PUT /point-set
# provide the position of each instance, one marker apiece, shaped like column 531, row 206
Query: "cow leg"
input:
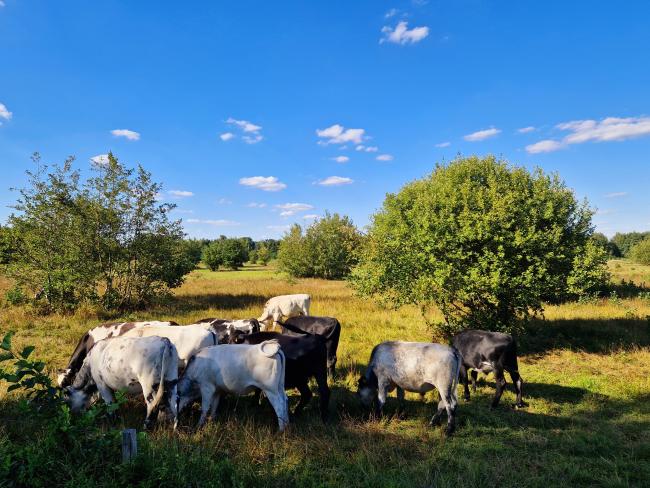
column 400, row 400
column 149, row 393
column 305, row 397
column 215, row 404
column 276, row 319
column 207, row 396
column 500, row 384
column 382, row 392
column 331, row 364
column 280, row 404
column 518, row 382
column 323, row 394
column 462, row 373
column 474, row 378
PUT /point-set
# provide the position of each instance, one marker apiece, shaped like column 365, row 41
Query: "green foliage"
column 589, row 276
column 263, row 255
column 252, row 256
column 481, row 240
column 601, row 240
column 326, row 250
column 640, row 252
column 625, row 241
column 106, row 240
column 7, row 248
column 227, row 252
column 193, row 250
column 15, row 296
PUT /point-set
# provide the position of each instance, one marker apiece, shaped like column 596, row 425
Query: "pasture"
column 586, row 368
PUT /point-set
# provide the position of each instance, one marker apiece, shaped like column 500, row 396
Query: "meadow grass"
column 586, row 368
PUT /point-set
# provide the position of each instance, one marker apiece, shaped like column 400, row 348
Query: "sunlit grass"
column 586, row 368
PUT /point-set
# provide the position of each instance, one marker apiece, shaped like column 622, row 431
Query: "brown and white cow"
column 90, row 338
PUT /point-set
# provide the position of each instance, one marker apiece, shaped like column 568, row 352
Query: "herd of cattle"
column 172, row 365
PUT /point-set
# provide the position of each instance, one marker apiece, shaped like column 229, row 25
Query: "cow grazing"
column 327, row 327
column 416, row 367
column 188, row 339
column 306, row 358
column 285, row 306
column 88, row 340
column 238, row 369
column 223, row 327
column 489, row 352
column 147, row 366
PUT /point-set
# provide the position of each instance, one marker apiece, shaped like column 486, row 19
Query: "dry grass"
column 586, row 367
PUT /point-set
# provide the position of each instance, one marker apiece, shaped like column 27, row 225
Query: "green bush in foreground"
column 483, row 241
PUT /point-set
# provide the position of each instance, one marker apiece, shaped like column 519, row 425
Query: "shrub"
column 326, row 250
column 625, row 241
column 229, row 253
column 640, row 253
column 589, row 276
column 106, row 240
column 263, row 255
column 481, row 240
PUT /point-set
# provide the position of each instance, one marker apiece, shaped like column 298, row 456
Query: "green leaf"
column 13, row 387
column 6, row 355
column 6, row 341
column 27, row 351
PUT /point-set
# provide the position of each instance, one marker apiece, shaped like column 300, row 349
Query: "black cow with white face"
column 489, row 352
column 306, row 357
column 327, row 327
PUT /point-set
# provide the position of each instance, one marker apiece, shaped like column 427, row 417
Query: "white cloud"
column 547, row 145
column 266, row 183
column 402, row 35
column 310, row 216
column 217, row 222
column 526, row 130
column 335, row 181
column 226, row 136
column 181, row 193
column 224, row 201
column 384, row 157
column 443, row 144
column 341, row 159
column 605, row 130
column 100, row 159
column 337, row 134
column 129, row 134
column 482, row 134
column 251, row 131
column 256, row 205
column 2, row 4
column 361, row 147
column 391, row 13
column 293, row 208
column 616, row 194
column 4, row 112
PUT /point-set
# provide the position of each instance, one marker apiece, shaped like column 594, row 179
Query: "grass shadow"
column 224, row 301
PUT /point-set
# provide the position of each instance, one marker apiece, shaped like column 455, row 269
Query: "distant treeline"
column 232, row 252
column 621, row 245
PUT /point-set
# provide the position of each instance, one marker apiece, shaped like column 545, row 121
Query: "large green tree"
column 107, row 239
column 483, row 241
column 227, row 252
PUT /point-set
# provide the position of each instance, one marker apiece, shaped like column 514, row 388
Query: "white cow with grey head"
column 285, row 306
column 146, row 366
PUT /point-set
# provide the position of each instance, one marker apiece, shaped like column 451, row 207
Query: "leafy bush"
column 263, row 255
column 640, row 253
column 625, row 241
column 106, row 240
column 483, row 241
column 226, row 252
column 589, row 275
column 326, row 250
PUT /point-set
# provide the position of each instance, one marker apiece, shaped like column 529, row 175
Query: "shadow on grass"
column 225, row 301
column 589, row 335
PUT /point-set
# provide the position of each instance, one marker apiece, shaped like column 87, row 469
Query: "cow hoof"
column 466, row 397
column 519, row 405
column 449, row 431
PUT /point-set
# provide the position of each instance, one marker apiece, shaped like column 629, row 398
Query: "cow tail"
column 161, row 385
column 282, row 370
column 454, row 386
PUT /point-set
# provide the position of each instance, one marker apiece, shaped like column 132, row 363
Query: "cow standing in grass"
column 489, row 352
column 284, row 306
column 412, row 366
column 90, row 338
column 328, row 328
column 147, row 366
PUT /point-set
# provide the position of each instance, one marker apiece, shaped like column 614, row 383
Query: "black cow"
column 489, row 352
column 306, row 357
column 327, row 327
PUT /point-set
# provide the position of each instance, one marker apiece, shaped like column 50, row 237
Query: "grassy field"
column 586, row 368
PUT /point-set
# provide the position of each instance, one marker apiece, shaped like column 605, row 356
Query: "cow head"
column 366, row 392
column 77, row 399
column 64, row 378
column 235, row 336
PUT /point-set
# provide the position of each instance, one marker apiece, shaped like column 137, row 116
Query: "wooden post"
column 129, row 445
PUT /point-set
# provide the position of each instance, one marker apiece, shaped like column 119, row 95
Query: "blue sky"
column 258, row 114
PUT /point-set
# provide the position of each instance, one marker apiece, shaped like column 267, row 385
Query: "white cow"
column 188, row 339
column 237, row 369
column 90, row 338
column 223, row 327
column 147, row 366
column 285, row 306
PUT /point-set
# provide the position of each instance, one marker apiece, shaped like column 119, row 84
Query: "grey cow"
column 413, row 366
